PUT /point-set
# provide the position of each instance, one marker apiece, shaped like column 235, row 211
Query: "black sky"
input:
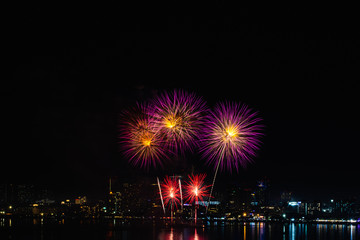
column 72, row 73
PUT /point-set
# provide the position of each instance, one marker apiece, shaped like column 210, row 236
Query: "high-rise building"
column 344, row 207
column 285, row 198
column 262, row 192
column 303, row 208
column 20, row 194
column 3, row 194
column 25, row 194
column 134, row 199
column 234, row 199
column 314, row 208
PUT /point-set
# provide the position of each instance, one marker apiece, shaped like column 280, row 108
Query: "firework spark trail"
column 231, row 137
column 212, row 186
column 161, row 197
column 181, row 195
column 140, row 142
column 178, row 118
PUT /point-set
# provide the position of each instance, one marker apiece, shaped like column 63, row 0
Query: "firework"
column 170, row 189
column 181, row 195
column 140, row 142
column 231, row 136
column 161, row 197
column 196, row 190
column 178, row 118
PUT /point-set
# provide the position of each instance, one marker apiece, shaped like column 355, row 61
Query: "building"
column 285, row 198
column 314, row 208
column 7, row 194
column 292, row 210
column 17, row 194
column 3, row 194
column 80, row 200
column 345, row 207
column 25, row 194
column 130, row 199
column 262, row 192
column 233, row 199
column 303, row 208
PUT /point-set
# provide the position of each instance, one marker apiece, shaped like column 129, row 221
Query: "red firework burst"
column 195, row 189
column 171, row 191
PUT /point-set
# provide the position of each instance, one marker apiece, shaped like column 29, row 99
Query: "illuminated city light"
column 294, row 203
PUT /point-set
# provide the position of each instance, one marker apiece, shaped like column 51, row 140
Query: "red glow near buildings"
column 195, row 188
column 171, row 191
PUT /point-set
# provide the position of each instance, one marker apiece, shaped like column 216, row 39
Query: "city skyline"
column 61, row 106
column 141, row 199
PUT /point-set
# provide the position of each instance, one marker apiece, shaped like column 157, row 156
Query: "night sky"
column 73, row 72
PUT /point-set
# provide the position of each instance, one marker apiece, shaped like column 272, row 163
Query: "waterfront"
column 110, row 229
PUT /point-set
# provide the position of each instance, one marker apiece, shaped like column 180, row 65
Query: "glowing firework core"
column 171, row 122
column 171, row 192
column 231, row 132
column 147, row 142
column 196, row 191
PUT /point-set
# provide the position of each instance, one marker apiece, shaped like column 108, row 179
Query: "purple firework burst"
column 231, row 136
column 178, row 116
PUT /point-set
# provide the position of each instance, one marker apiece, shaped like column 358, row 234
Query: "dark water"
column 31, row 229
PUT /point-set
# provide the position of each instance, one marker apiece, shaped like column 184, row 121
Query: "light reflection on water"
column 116, row 229
column 264, row 231
column 244, row 231
column 188, row 234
